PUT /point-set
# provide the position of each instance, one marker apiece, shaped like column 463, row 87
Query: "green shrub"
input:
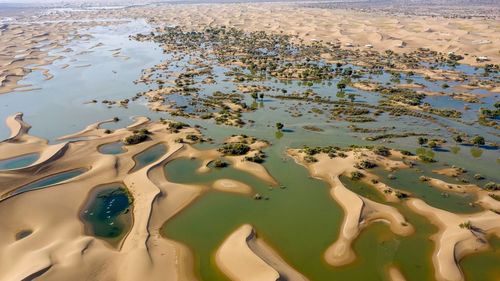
column 234, row 149
column 220, row 164
column 382, row 150
column 356, row 175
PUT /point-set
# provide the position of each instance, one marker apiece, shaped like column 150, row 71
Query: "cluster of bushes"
column 137, row 137
column 220, row 163
column 391, row 135
column 257, row 158
column 491, row 186
column 319, row 149
column 466, row 225
column 356, row 175
column 310, row 159
column 365, row 164
column 405, row 96
column 401, row 195
column 382, row 151
column 192, row 137
column 176, row 126
column 446, row 112
column 426, row 158
column 234, row 149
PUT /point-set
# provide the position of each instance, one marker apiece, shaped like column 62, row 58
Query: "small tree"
column 421, row 141
column 432, row 144
column 341, row 86
column 261, row 96
column 279, row 126
column 255, row 95
column 457, row 139
column 351, row 97
column 478, row 140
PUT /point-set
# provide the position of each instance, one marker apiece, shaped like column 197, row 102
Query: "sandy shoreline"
column 359, row 212
column 453, row 242
column 245, row 257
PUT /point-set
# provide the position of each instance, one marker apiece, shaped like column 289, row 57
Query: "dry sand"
column 245, row 257
column 476, row 37
column 230, row 185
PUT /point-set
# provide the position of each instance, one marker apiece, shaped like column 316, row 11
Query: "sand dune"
column 245, row 257
column 229, row 185
column 454, row 242
column 383, row 31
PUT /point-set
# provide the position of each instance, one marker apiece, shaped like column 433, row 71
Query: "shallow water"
column 148, row 156
column 107, row 213
column 18, row 162
column 47, row 181
column 112, row 148
column 300, row 221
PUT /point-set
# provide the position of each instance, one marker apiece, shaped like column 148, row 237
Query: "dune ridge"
column 245, row 257
column 453, row 241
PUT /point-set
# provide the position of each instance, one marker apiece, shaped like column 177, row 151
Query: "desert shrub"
column 382, row 150
column 234, row 149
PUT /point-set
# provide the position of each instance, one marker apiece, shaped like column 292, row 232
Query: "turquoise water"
column 112, row 148
column 148, row 156
column 18, row 162
column 47, row 181
column 107, row 213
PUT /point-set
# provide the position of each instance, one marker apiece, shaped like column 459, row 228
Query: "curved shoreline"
column 453, row 241
column 359, row 212
column 244, row 257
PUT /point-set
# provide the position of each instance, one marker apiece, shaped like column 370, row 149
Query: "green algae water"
column 408, row 180
column 483, row 266
column 107, row 213
column 300, row 221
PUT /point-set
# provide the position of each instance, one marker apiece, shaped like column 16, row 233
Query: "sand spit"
column 17, row 126
column 395, row 274
column 245, row 257
column 89, row 131
column 484, row 196
column 458, row 236
column 229, row 185
column 446, row 186
column 359, row 211
column 252, row 168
